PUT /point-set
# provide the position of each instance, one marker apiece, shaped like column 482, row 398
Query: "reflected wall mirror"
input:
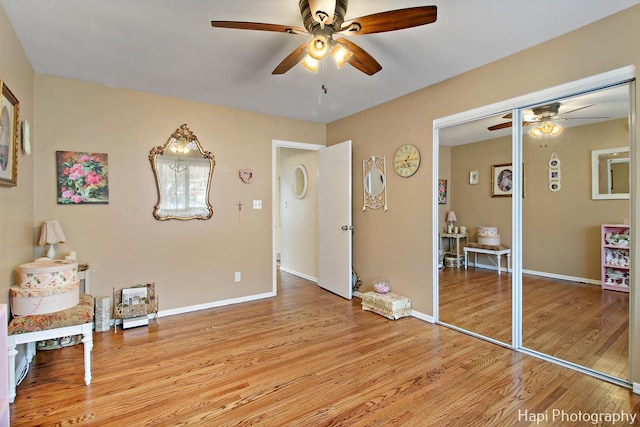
column 610, row 173
column 374, row 177
column 299, row 178
column 183, row 172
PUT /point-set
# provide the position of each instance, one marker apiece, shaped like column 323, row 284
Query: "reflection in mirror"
column 610, row 173
column 374, row 182
column 299, row 179
column 475, row 298
column 566, row 313
column 374, row 175
column 183, row 172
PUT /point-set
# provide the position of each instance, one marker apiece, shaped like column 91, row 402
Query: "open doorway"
column 295, row 207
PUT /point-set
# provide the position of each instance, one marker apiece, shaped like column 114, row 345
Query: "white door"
column 334, row 219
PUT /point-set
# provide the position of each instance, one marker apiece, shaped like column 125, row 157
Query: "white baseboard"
column 636, row 388
column 191, row 308
column 562, row 277
column 546, row 274
column 297, row 273
column 422, row 316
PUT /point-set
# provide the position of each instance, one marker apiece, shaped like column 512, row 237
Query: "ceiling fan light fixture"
column 546, row 128
column 310, row 63
column 322, row 11
column 319, row 47
column 341, row 54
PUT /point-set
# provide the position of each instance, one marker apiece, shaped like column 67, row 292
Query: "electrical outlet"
column 237, row 276
column 257, row 204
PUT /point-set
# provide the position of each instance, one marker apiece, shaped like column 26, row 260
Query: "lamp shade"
column 451, row 216
column 51, row 233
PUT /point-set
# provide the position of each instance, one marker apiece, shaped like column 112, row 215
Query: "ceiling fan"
column 544, row 114
column 322, row 19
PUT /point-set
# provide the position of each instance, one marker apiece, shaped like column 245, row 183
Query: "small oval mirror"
column 299, row 178
column 374, row 182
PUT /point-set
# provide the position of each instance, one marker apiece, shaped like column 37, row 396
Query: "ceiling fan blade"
column 290, row 61
column 392, row 20
column 239, row 25
column 500, row 126
column 507, row 125
column 576, row 109
column 360, row 58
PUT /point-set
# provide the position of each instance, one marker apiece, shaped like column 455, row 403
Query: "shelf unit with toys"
column 615, row 257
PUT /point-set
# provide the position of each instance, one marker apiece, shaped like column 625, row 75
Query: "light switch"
column 257, row 204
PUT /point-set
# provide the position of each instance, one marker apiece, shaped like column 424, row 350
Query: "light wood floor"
column 304, row 358
column 576, row 322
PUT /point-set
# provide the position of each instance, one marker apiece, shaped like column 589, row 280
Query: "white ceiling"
column 168, row 47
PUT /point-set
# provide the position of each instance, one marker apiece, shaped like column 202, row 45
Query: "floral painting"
column 82, row 178
column 442, row 191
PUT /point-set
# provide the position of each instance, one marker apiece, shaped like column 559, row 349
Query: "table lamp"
column 51, row 234
column 451, row 218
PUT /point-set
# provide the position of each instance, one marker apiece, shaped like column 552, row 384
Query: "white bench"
column 498, row 251
column 28, row 330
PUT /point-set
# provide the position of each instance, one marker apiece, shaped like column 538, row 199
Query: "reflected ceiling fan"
column 545, row 114
column 324, row 18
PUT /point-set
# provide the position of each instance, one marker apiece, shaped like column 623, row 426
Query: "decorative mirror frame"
column 595, row 175
column 299, row 193
column 182, row 137
column 374, row 201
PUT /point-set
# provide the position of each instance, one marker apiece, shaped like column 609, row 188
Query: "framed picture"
column 9, row 117
column 502, row 180
column 134, row 296
column 554, row 174
column 442, row 191
column 474, row 177
column 82, row 178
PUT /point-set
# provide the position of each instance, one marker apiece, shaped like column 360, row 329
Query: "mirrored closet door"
column 475, row 292
column 564, row 294
column 566, row 312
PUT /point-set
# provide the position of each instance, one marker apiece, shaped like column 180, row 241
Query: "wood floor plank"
column 576, row 322
column 304, row 358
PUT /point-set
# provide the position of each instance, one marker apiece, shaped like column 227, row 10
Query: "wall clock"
column 406, row 161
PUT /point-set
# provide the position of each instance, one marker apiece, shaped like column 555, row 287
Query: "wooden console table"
column 498, row 251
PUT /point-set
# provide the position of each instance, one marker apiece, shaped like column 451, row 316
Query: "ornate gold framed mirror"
column 183, row 172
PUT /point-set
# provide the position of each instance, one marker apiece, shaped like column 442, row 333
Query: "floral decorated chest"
column 389, row 305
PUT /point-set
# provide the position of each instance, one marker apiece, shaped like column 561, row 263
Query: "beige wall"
column 561, row 230
column 16, row 203
column 299, row 216
column 191, row 262
column 405, row 255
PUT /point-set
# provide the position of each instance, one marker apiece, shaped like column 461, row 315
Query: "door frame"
column 617, row 76
column 275, row 144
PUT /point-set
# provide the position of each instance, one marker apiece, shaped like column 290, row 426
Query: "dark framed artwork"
column 502, row 180
column 442, row 191
column 9, row 125
column 82, row 178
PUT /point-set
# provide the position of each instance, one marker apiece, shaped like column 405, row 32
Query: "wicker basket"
column 125, row 311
